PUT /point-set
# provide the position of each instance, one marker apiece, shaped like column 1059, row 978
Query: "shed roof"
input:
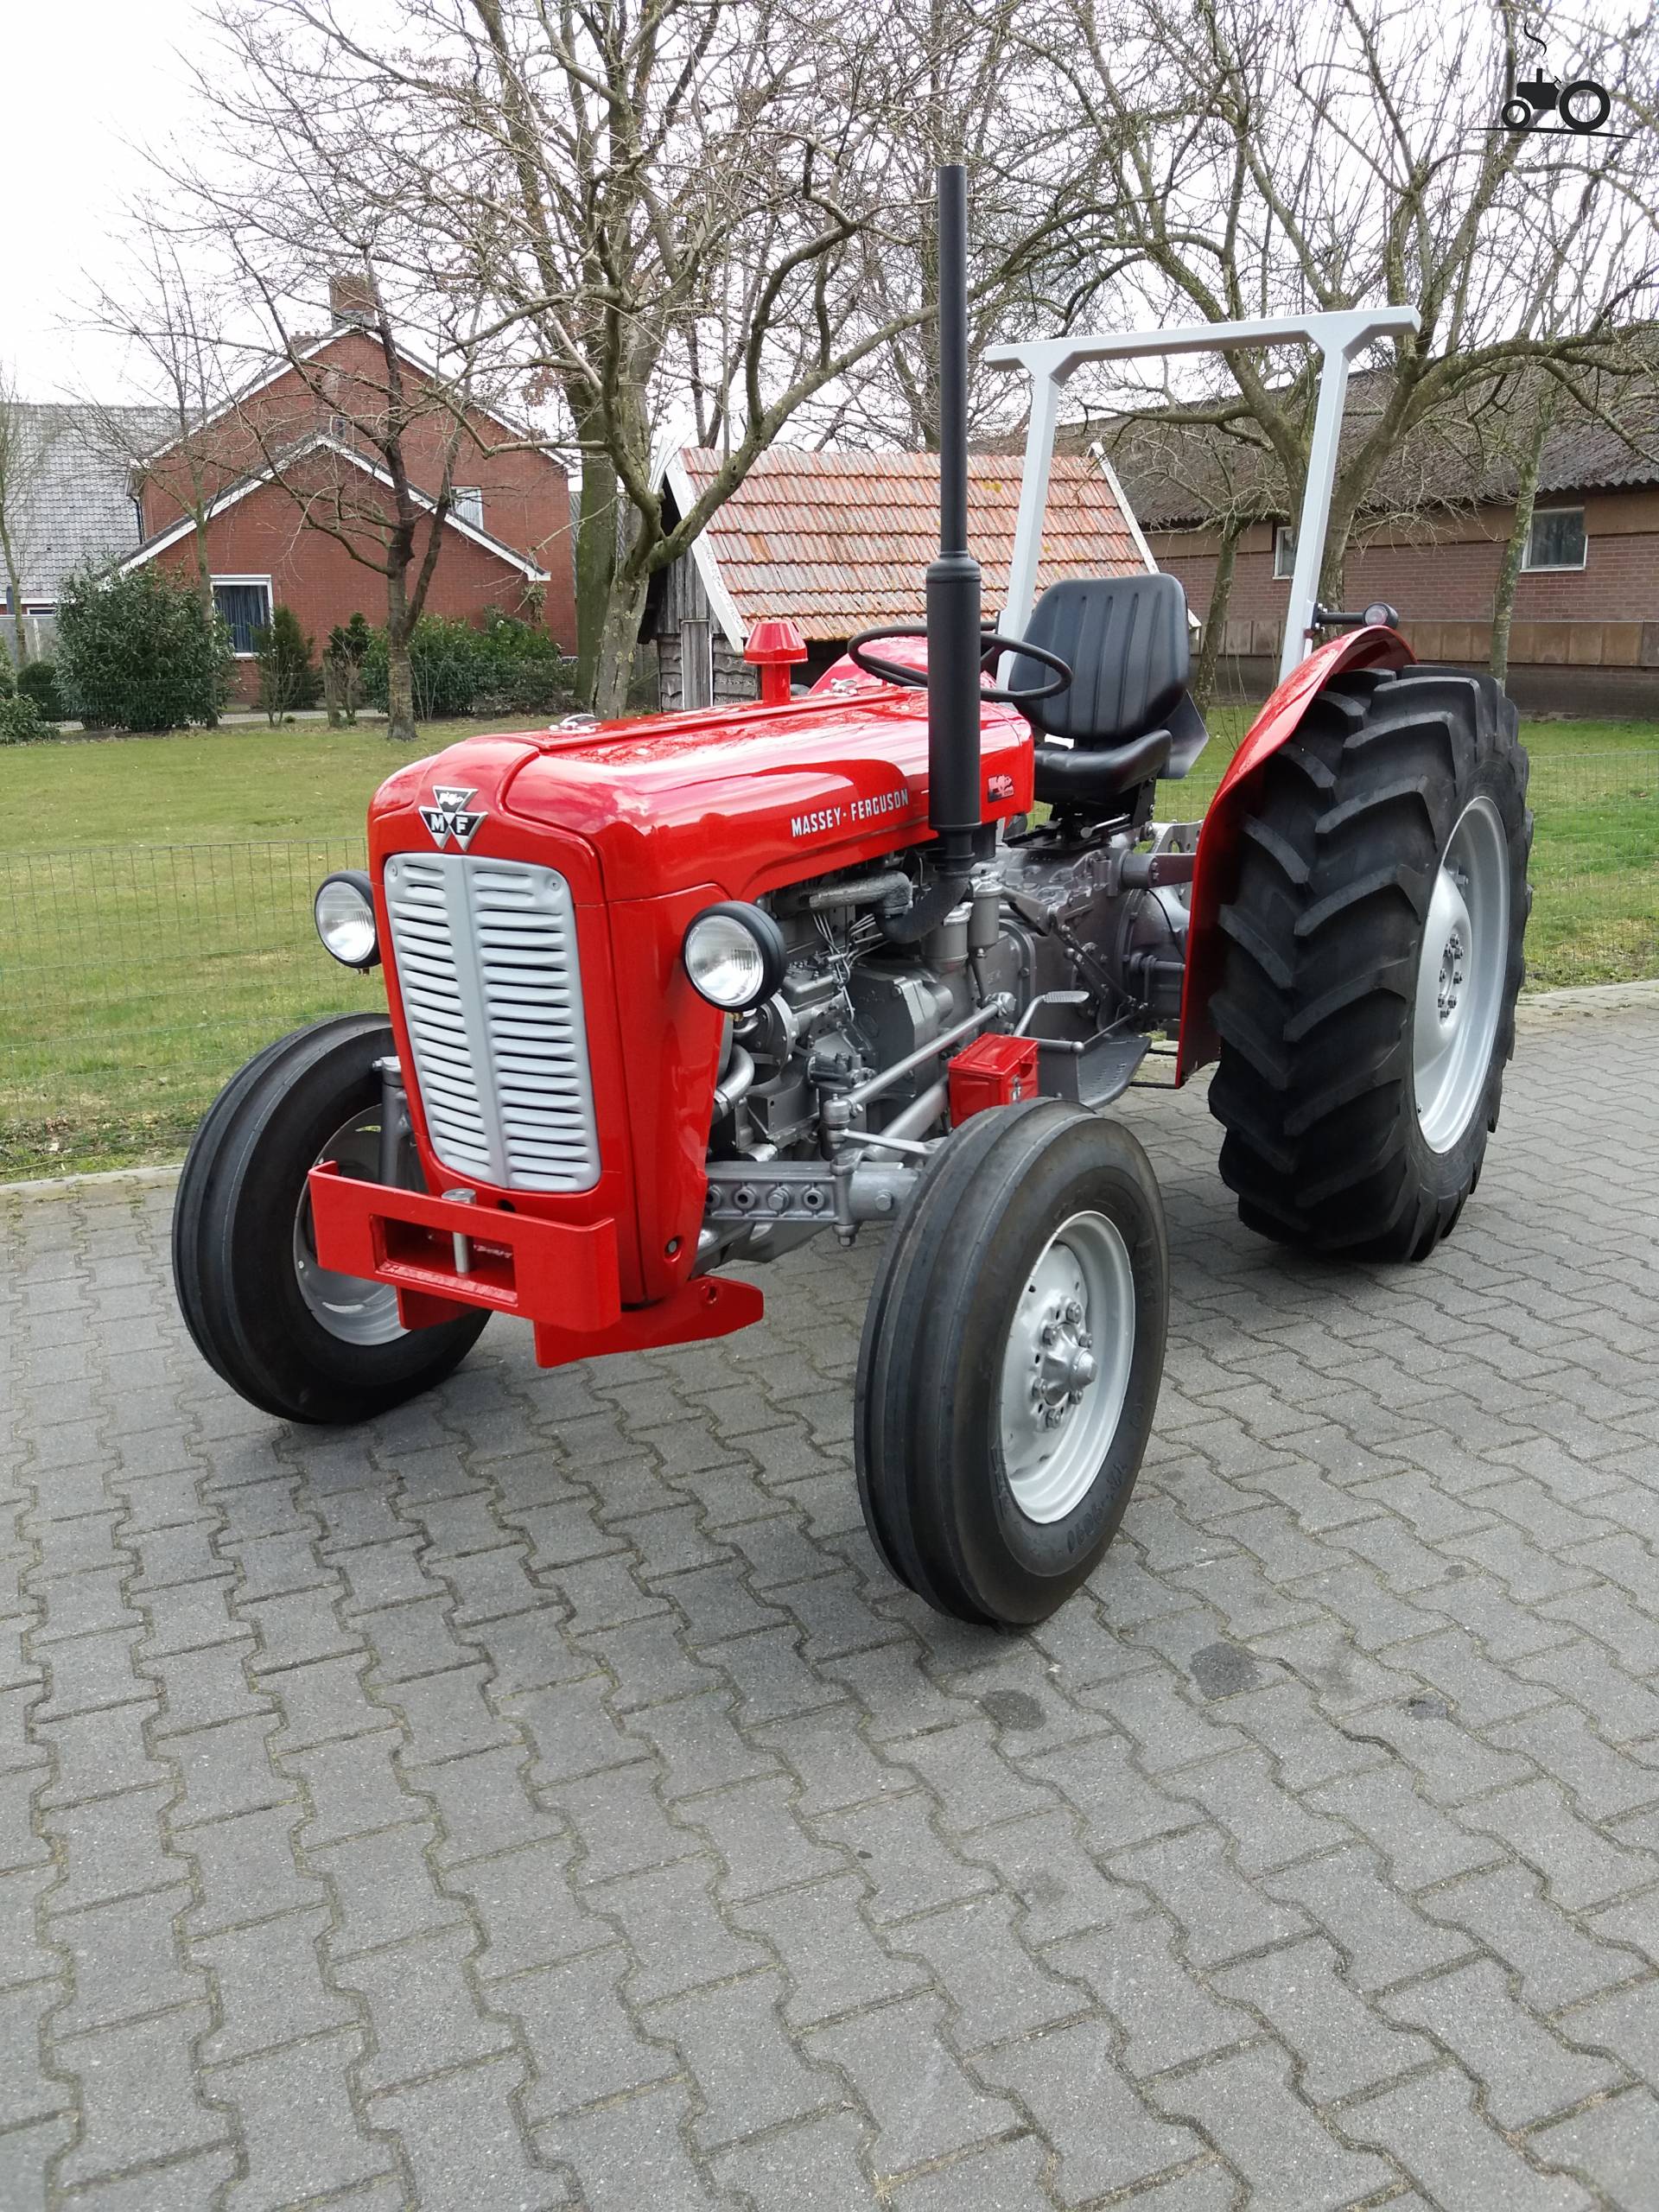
column 78, row 510
column 838, row 541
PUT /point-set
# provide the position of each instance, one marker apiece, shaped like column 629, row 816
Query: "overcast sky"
column 89, row 82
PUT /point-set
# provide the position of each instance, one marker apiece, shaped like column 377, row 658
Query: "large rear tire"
column 1010, row 1363
column 1373, row 959
column 290, row 1337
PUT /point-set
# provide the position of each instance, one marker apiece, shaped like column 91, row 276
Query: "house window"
column 1284, row 551
column 244, row 605
column 468, row 503
column 1556, row 539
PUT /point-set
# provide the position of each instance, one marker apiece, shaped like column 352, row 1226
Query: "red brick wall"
column 1453, row 576
column 526, row 496
column 262, row 534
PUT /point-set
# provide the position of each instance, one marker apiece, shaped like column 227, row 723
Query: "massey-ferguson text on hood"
column 757, row 796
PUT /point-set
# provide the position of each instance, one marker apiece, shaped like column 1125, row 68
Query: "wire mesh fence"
column 134, row 979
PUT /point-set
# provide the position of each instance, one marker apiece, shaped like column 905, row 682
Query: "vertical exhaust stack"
column 953, row 598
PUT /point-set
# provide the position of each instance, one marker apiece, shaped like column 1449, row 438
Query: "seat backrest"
column 1126, row 639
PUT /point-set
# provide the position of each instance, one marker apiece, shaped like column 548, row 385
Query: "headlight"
column 734, row 956
column 344, row 912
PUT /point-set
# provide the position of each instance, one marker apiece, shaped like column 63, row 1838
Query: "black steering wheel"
column 990, row 645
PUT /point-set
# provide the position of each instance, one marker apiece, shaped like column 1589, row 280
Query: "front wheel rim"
column 1461, row 973
column 350, row 1307
column 1065, row 1367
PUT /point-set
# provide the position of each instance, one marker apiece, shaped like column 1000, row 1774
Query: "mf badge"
column 447, row 817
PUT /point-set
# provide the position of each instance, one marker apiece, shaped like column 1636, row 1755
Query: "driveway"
column 543, row 1796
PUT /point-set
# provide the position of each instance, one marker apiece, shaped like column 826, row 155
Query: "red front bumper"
column 560, row 1276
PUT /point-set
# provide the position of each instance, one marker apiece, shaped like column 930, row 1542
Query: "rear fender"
column 1214, row 877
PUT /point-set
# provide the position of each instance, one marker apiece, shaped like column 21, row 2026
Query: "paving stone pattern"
column 542, row 1797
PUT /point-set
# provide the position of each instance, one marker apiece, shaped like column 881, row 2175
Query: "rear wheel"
column 291, row 1336
column 1372, row 964
column 1011, row 1359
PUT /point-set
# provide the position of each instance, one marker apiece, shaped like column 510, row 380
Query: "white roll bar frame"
column 1050, row 361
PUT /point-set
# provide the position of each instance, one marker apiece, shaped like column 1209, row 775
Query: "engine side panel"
column 1216, row 875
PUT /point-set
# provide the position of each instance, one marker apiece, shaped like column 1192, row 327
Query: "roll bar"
column 1050, row 361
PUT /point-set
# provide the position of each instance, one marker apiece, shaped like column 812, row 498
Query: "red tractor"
column 669, row 994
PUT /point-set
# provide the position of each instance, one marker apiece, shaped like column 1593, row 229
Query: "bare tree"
column 641, row 204
column 185, row 346
column 408, row 425
column 23, row 443
column 1257, row 161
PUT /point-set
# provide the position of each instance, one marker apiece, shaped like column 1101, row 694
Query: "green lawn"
column 204, row 787
column 155, row 896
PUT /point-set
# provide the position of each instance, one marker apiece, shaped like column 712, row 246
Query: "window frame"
column 1531, row 568
column 262, row 582
column 473, row 515
column 1284, row 534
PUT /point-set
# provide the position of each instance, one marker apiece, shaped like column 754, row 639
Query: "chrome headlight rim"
column 761, row 950
column 352, row 906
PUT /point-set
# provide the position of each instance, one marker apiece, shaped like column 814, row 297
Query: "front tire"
column 1372, row 961
column 1010, row 1363
column 289, row 1337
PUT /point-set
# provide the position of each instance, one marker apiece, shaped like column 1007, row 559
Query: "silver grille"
column 491, row 991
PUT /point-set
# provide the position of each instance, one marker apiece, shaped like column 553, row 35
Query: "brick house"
column 1585, row 631
column 838, row 541
column 286, row 449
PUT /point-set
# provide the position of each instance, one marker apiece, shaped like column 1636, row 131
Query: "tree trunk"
column 1215, row 621
column 204, row 563
column 623, row 616
column 596, row 536
column 15, row 587
column 400, row 692
column 1509, row 573
column 400, row 673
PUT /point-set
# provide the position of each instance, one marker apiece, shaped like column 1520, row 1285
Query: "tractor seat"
column 1126, row 716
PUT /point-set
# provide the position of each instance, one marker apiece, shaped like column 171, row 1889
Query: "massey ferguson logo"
column 998, row 786
column 447, row 817
column 859, row 810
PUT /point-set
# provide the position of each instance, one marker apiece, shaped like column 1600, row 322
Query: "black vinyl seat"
column 1126, row 716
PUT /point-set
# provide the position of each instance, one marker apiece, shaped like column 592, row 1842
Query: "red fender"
column 1215, row 876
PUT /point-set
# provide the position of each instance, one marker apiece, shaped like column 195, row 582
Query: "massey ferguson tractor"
column 670, row 995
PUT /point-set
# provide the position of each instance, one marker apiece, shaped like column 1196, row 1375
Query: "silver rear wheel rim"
column 1461, row 973
column 349, row 1307
column 1066, row 1367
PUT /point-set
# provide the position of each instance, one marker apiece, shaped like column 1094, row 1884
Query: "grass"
column 204, row 787
column 156, row 894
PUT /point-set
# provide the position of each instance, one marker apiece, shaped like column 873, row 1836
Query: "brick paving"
column 542, row 1797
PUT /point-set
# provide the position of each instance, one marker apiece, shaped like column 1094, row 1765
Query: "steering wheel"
column 990, row 644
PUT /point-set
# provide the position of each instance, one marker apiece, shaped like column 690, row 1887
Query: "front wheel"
column 289, row 1335
column 1010, row 1363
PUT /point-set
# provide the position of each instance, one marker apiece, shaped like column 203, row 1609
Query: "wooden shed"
column 838, row 541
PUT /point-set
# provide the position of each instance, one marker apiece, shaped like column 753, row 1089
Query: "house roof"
column 298, row 352
column 1179, row 474
column 838, row 541
column 322, row 442
column 78, row 511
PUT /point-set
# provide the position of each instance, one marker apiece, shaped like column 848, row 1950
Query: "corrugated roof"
column 79, row 510
column 838, row 541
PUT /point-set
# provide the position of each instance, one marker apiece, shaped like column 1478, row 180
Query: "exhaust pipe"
column 953, row 598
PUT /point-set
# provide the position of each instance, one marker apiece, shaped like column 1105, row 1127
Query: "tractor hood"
column 751, row 798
